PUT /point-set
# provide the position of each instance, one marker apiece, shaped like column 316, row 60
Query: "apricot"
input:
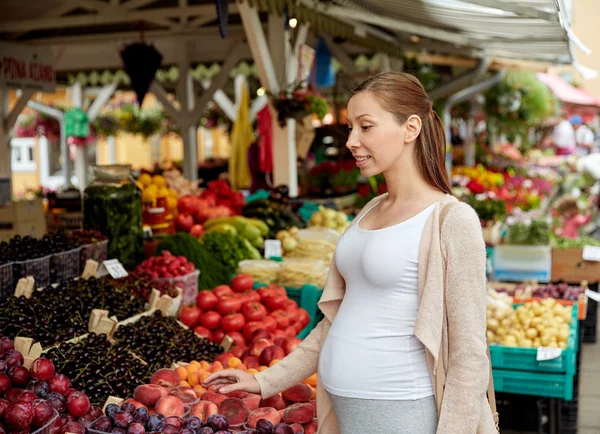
column 274, row 362
column 233, row 362
column 182, row 372
column 216, row 366
column 205, row 365
column 312, row 380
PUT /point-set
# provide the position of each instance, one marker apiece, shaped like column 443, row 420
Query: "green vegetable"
column 535, row 234
column 212, row 272
column 575, row 243
column 115, row 209
column 228, row 249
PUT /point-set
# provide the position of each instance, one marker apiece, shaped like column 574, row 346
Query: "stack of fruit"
column 154, row 188
column 238, row 311
column 289, row 239
column 329, row 218
column 253, row 230
column 559, row 291
column 179, row 184
column 531, row 325
column 277, row 216
column 34, row 398
column 165, row 266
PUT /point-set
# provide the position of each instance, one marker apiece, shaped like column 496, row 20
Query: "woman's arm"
column 293, row 369
column 468, row 366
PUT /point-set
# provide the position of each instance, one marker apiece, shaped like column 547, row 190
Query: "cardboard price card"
column 273, row 249
column 112, row 267
column 546, row 353
column 591, row 253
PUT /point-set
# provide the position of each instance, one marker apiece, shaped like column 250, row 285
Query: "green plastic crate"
column 307, row 298
column 524, row 359
column 534, row 383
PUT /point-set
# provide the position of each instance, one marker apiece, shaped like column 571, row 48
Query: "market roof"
column 566, row 92
column 86, row 34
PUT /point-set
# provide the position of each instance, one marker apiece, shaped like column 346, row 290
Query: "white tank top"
column 370, row 351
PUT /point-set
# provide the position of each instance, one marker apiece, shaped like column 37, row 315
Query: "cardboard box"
column 22, row 211
column 568, row 265
column 64, row 220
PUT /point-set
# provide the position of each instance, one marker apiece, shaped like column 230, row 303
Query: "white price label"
column 593, row 295
column 273, row 248
column 591, row 253
column 114, row 268
column 546, row 353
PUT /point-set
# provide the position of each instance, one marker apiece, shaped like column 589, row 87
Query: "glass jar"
column 112, row 204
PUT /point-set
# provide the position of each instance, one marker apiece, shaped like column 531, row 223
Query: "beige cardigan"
column 451, row 262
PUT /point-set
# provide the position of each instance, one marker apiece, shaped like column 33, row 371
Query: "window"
column 22, row 155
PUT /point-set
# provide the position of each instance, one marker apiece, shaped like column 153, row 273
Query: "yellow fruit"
column 149, row 196
column 171, row 203
column 145, row 179
column 159, row 181
column 172, row 193
column 182, row 372
column 162, row 192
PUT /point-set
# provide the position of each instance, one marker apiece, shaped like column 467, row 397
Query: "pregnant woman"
column 402, row 348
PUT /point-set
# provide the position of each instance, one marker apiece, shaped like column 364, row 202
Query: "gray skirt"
column 355, row 416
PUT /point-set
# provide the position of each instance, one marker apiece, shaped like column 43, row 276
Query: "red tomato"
column 270, row 323
column 242, row 283
column 196, row 231
column 206, row 300
column 229, row 304
column 250, row 328
column 190, row 315
column 303, row 317
column 210, row 320
column 252, row 296
column 238, row 339
column 282, row 318
column 291, row 331
column 254, row 311
column 218, row 336
column 290, row 306
column 222, row 290
column 204, row 332
column 233, row 322
column 275, row 302
column 266, row 291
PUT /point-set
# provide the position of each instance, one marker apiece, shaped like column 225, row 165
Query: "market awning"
column 566, row 92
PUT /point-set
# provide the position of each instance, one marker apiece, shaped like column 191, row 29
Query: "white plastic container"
column 518, row 263
column 187, row 283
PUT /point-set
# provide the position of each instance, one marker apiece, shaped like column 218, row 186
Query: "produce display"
column 559, row 291
column 297, row 272
column 316, row 243
column 98, row 368
column 238, row 311
column 535, row 324
column 141, row 285
column 155, row 187
column 36, row 398
column 164, row 266
column 330, row 218
column 112, row 204
column 212, row 271
column 181, row 186
column 89, row 236
column 250, row 229
column 161, row 341
column 534, row 232
column 277, row 216
column 288, row 238
column 61, row 312
column 575, row 243
column 261, row 270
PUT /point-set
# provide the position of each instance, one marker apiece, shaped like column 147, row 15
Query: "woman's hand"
column 232, row 380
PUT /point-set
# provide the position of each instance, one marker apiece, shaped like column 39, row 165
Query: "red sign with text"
column 23, row 66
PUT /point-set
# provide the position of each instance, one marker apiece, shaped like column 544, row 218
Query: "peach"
column 275, row 401
column 185, row 394
column 148, row 394
column 217, row 398
column 298, row 393
column 135, row 403
column 291, row 344
column 203, row 409
column 237, row 394
column 169, row 406
column 261, row 334
column 259, row 345
column 238, row 350
column 268, row 413
column 298, row 429
column 313, row 402
column 311, row 427
column 299, row 413
column 252, row 362
column 165, row 377
column 224, row 358
column 280, row 342
column 234, row 410
column 271, row 353
column 252, row 401
column 281, row 414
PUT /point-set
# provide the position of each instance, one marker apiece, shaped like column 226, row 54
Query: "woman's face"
column 375, row 138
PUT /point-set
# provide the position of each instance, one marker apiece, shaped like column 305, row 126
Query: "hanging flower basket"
column 297, row 104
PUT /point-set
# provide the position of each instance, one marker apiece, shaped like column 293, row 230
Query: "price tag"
column 593, row 295
column 272, row 248
column 114, row 268
column 545, row 353
column 591, row 253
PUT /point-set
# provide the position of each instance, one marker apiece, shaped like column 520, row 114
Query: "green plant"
column 488, row 209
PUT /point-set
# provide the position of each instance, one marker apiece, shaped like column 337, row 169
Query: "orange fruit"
column 233, row 362
column 194, row 378
column 252, row 371
column 217, row 366
column 203, row 376
column 263, row 368
column 184, row 383
column 274, row 362
column 312, row 380
column 182, row 372
column 205, row 365
column 199, row 388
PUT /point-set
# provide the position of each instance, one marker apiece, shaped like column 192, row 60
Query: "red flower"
column 475, row 187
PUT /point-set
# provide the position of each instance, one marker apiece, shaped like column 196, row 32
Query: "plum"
column 3, row 366
column 60, row 383
column 96, row 412
column 103, row 424
column 117, row 430
column 136, row 428
column 264, row 426
column 42, row 369
column 169, row 429
column 186, row 430
column 5, row 384
column 19, row 416
column 39, row 387
column 78, row 404
column 218, row 422
column 194, row 423
column 206, row 430
column 26, row 396
column 13, row 358
column 122, row 419
column 154, row 422
column 128, row 407
column 73, row 427
column 42, row 412
column 19, row 375
column 111, row 410
column 3, row 407
column 86, row 420
column 141, row 415
column 282, row 428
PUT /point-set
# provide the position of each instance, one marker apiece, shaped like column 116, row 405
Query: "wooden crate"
column 568, row 265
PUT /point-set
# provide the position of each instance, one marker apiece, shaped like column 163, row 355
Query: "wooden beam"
column 258, row 46
column 110, row 17
column 65, row 7
column 278, row 39
column 100, row 101
column 340, row 55
column 115, row 2
column 219, row 81
column 162, row 95
column 517, row 9
column 201, row 20
column 11, row 119
column 136, row 4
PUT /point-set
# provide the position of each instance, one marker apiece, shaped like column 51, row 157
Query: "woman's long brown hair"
column 403, row 95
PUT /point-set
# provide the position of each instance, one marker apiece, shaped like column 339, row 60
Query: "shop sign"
column 306, row 58
column 26, row 67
